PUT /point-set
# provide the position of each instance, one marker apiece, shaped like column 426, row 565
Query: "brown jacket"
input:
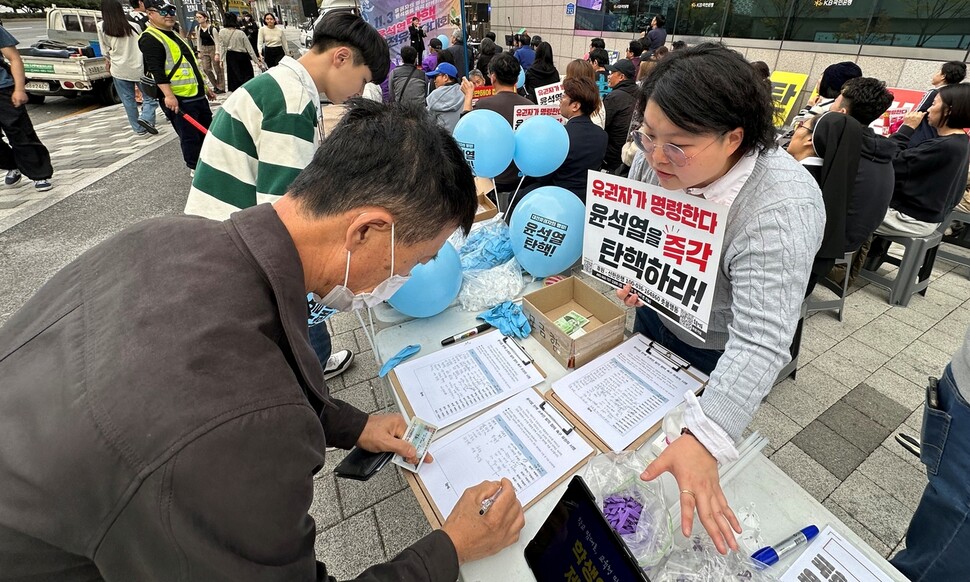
column 162, row 415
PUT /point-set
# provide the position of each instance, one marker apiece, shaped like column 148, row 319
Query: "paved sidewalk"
column 84, row 148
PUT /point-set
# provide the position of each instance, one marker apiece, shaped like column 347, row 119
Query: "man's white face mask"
column 341, row 298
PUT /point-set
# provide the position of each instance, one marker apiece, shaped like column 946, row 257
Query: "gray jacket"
column 445, row 104
column 162, row 414
column 409, row 85
column 774, row 228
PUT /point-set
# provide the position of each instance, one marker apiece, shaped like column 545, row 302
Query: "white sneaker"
column 338, row 363
column 191, row 173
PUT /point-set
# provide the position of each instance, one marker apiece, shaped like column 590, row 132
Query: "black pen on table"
column 466, row 334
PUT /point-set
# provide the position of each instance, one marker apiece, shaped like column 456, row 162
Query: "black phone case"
column 361, row 465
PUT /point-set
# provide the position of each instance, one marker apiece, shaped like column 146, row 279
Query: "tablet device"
column 577, row 543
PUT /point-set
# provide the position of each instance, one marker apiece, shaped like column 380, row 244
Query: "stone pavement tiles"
column 84, row 148
column 831, row 429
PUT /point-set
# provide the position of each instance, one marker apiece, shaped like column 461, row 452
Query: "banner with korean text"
column 392, row 17
column 785, row 88
column 666, row 244
column 522, row 112
column 549, row 95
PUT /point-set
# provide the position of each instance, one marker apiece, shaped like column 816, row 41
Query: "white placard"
column 549, row 95
column 522, row 112
column 666, row 244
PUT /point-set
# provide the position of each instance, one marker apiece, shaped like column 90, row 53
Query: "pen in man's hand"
column 488, row 502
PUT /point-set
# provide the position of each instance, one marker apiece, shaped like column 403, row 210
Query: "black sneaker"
column 42, row 185
column 13, row 176
column 338, row 363
column 148, row 127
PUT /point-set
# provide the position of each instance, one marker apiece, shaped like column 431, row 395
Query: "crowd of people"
column 212, row 334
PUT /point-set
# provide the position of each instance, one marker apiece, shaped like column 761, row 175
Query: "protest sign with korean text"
column 522, row 112
column 482, row 92
column 785, row 88
column 666, row 244
column 549, row 95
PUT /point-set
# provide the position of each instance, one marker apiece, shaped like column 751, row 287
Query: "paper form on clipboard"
column 461, row 380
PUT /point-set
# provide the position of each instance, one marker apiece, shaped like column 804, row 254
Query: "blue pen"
column 769, row 555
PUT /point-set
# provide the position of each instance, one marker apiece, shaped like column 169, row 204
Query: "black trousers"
column 189, row 136
column 273, row 55
column 239, row 69
column 22, row 149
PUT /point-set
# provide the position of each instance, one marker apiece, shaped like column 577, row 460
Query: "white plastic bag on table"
column 484, row 289
column 701, row 562
column 617, row 476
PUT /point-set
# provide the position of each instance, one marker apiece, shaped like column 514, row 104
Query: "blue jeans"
column 648, row 323
column 938, row 540
column 322, row 345
column 126, row 90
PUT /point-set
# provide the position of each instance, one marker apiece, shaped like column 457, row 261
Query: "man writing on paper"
column 162, row 410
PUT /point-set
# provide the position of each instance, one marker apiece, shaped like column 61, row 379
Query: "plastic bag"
column 701, row 562
column 486, row 288
column 636, row 509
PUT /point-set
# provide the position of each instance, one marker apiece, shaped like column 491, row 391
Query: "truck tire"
column 107, row 94
column 35, row 99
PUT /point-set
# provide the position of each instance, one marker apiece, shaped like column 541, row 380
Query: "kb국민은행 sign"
column 666, row 244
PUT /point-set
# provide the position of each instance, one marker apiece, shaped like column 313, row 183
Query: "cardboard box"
column 486, row 208
column 603, row 332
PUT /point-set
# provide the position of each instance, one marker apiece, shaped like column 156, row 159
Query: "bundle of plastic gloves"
column 508, row 318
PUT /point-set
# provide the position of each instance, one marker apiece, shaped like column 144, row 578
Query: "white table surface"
column 783, row 506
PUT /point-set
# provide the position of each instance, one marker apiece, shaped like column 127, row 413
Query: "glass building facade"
column 936, row 24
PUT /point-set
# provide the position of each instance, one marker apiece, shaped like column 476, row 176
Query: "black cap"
column 157, row 4
column 624, row 66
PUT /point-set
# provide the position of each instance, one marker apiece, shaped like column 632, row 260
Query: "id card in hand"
column 419, row 434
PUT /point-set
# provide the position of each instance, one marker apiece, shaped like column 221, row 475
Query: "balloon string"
column 498, row 203
column 514, row 194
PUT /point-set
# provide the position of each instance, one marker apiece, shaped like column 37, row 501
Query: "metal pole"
column 464, row 35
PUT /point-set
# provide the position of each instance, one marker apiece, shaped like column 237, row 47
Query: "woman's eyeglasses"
column 673, row 153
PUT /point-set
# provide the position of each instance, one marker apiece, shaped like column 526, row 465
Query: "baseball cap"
column 624, row 66
column 444, row 69
column 157, row 4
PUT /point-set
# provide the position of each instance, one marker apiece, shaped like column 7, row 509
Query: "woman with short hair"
column 708, row 132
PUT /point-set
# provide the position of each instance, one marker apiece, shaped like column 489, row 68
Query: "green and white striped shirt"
column 263, row 136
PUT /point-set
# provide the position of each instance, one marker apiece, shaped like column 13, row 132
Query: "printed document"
column 524, row 439
column 623, row 393
column 831, row 557
column 461, row 380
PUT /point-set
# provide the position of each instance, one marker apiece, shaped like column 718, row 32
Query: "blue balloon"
column 487, row 140
column 433, row 286
column 554, row 208
column 521, row 82
column 541, row 146
column 444, row 40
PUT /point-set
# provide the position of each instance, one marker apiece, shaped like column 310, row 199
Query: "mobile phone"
column 361, row 465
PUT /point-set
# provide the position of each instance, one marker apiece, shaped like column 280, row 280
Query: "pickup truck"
column 72, row 70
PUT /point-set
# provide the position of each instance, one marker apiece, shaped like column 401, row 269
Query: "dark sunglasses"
column 168, row 11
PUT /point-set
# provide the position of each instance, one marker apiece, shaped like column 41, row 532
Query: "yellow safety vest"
column 182, row 80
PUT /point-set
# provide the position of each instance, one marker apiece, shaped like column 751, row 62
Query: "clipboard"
column 435, row 517
column 654, row 348
column 509, row 342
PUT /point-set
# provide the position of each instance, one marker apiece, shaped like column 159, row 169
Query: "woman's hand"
column 695, row 471
column 628, row 296
column 914, row 118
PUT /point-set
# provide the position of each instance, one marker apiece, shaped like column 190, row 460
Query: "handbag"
column 149, row 86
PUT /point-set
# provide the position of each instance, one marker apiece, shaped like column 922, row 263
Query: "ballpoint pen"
column 769, row 555
column 488, row 502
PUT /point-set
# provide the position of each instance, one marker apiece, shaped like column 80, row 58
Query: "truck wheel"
column 107, row 93
column 35, row 99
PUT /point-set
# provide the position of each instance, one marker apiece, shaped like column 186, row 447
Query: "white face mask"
column 341, row 298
